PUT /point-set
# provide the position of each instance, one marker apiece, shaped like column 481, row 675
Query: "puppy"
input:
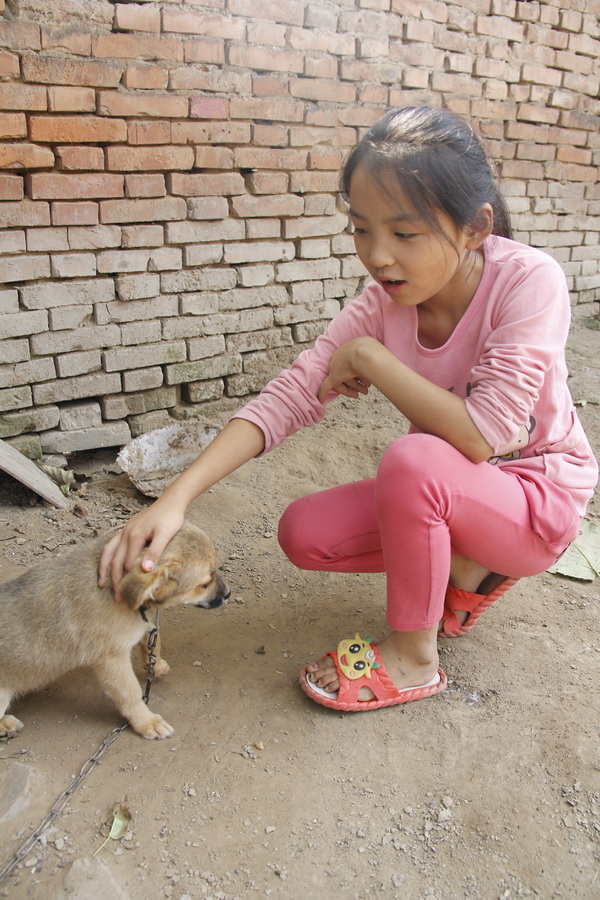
column 55, row 618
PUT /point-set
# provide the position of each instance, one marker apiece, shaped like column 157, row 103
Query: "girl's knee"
column 414, row 455
column 294, row 526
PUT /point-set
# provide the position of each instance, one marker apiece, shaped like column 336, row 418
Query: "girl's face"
column 411, row 261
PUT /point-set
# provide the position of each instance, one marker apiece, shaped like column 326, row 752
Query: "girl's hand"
column 152, row 528
column 346, row 374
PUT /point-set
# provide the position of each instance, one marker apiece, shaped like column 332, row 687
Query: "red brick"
column 183, row 22
column 199, row 78
column 137, row 18
column 75, row 213
column 264, row 60
column 228, row 183
column 357, row 116
column 266, row 33
column 315, row 89
column 19, row 35
column 209, row 51
column 267, row 110
column 167, row 209
column 80, row 158
column 127, row 46
column 209, row 108
column 146, row 159
column 111, row 103
column 324, row 67
column 75, row 187
column 23, row 214
column 13, row 125
column 145, row 186
column 374, row 93
column 210, row 133
column 251, row 158
column 275, row 206
column 533, row 112
column 27, row 97
column 67, row 40
column 71, row 99
column 269, row 86
column 500, row 27
column 269, row 136
column 214, row 158
column 560, row 171
column 311, row 136
column 140, row 132
column 287, row 11
column 574, row 155
column 77, row 129
column 314, row 182
column 306, row 40
column 9, row 64
column 146, row 77
column 11, row 188
column 526, row 170
column 56, row 70
column 320, row 17
column 268, row 182
column 25, row 156
column 325, row 158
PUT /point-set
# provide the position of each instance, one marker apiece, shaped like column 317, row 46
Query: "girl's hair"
column 438, row 162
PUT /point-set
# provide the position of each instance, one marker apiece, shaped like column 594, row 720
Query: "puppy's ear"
column 153, row 588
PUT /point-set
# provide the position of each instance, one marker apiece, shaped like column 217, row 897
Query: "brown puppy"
column 55, row 618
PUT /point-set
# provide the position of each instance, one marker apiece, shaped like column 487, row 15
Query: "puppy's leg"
column 9, row 725
column 118, row 678
column 161, row 666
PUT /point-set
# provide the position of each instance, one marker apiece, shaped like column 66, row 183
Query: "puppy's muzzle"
column 218, row 596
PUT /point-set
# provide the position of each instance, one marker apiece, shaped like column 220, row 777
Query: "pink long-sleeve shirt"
column 505, row 358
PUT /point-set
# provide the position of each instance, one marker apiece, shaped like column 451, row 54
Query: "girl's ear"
column 481, row 226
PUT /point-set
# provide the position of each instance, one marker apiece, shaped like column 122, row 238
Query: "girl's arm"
column 365, row 361
column 154, row 527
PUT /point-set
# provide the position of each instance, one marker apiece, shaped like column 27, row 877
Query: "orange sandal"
column 475, row 604
column 358, row 664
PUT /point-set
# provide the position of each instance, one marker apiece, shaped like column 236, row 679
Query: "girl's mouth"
column 391, row 286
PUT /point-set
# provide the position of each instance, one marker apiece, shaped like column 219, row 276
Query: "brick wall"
column 169, row 230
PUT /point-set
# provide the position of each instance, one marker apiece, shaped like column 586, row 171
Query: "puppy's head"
column 184, row 575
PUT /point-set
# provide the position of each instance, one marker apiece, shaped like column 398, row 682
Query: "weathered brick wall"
column 169, row 230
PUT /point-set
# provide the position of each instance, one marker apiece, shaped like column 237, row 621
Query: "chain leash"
column 90, row 763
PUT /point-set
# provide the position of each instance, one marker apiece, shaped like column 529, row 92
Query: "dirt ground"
column 490, row 790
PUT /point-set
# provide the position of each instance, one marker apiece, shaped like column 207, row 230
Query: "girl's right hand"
column 152, row 529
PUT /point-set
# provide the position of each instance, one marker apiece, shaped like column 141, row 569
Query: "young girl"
column 463, row 330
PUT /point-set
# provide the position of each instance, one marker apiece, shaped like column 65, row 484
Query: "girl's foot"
column 411, row 659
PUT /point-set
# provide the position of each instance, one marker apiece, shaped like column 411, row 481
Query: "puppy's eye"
column 203, row 585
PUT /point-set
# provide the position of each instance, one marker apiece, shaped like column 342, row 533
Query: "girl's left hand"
column 345, row 375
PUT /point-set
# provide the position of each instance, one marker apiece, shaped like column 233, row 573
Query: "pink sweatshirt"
column 505, row 358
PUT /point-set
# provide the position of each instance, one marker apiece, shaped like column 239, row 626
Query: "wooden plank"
column 18, row 466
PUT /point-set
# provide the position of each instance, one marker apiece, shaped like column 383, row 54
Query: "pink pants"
column 427, row 503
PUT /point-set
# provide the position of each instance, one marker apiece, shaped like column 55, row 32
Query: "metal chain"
column 62, row 800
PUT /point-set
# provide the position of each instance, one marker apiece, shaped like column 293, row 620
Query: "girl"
column 463, row 330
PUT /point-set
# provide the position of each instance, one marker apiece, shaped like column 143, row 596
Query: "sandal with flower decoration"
column 358, row 664
column 490, row 589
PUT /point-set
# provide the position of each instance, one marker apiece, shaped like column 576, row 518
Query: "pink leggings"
column 427, row 502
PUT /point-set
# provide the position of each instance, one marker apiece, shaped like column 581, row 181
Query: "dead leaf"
column 582, row 559
column 121, row 819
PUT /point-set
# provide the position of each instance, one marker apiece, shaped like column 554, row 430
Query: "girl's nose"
column 380, row 255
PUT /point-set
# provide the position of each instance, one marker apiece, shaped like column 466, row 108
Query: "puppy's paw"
column 161, row 667
column 155, row 728
column 9, row 725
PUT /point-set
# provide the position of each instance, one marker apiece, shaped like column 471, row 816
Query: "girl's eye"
column 404, row 235
column 359, row 230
